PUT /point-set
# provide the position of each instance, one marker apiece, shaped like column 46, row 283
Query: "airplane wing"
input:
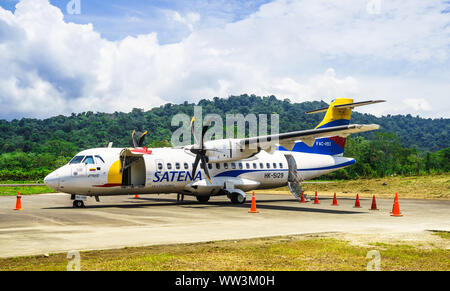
column 288, row 139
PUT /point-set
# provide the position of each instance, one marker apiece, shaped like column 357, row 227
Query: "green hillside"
column 35, row 145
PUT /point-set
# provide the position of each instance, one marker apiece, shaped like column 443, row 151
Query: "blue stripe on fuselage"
column 235, row 173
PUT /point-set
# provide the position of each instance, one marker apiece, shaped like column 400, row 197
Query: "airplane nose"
column 52, row 180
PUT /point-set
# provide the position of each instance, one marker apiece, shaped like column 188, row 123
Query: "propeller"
column 136, row 143
column 199, row 150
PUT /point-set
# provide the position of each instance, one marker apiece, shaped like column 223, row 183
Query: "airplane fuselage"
column 103, row 171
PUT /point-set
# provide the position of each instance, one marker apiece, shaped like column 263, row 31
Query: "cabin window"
column 177, row 166
column 169, row 166
column 76, row 160
column 233, row 165
column 281, row 165
column 225, row 166
column 240, row 165
column 99, row 159
column 186, row 166
column 89, row 160
column 274, row 165
column 247, row 165
column 209, row 166
column 217, row 166
column 160, row 166
column 268, row 165
column 254, row 166
column 261, row 165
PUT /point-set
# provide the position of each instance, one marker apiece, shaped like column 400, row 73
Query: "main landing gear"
column 203, row 199
column 237, row 198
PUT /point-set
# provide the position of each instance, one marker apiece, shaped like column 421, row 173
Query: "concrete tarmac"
column 49, row 224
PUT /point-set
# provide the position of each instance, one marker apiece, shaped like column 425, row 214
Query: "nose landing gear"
column 78, row 201
column 78, row 204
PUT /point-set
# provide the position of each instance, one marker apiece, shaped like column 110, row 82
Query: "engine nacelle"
column 228, row 150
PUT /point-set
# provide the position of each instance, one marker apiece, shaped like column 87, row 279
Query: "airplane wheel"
column 203, row 199
column 237, row 199
column 78, row 204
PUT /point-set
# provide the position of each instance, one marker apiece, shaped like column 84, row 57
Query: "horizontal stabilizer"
column 356, row 104
column 323, row 109
column 347, row 105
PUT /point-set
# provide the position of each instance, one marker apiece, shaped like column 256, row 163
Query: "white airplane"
column 227, row 167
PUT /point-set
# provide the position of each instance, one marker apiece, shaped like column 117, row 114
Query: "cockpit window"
column 99, row 159
column 76, row 160
column 88, row 160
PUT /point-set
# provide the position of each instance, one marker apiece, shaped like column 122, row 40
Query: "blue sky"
column 117, row 19
column 116, row 55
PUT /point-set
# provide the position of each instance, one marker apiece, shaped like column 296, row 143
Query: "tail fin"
column 337, row 113
column 336, row 116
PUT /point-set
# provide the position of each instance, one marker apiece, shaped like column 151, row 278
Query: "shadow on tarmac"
column 261, row 204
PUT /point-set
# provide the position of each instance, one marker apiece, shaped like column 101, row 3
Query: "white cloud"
column 402, row 92
column 418, row 104
column 190, row 19
column 303, row 50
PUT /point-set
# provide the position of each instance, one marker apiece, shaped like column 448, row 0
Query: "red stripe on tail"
column 340, row 141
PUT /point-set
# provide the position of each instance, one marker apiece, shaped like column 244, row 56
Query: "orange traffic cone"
column 316, row 199
column 302, row 199
column 18, row 202
column 335, row 203
column 395, row 201
column 374, row 204
column 396, row 207
column 357, row 204
column 253, row 206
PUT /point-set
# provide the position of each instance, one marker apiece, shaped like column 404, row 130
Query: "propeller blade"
column 141, row 139
column 194, row 168
column 205, row 167
column 193, row 130
column 133, row 139
column 205, row 129
column 199, row 149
